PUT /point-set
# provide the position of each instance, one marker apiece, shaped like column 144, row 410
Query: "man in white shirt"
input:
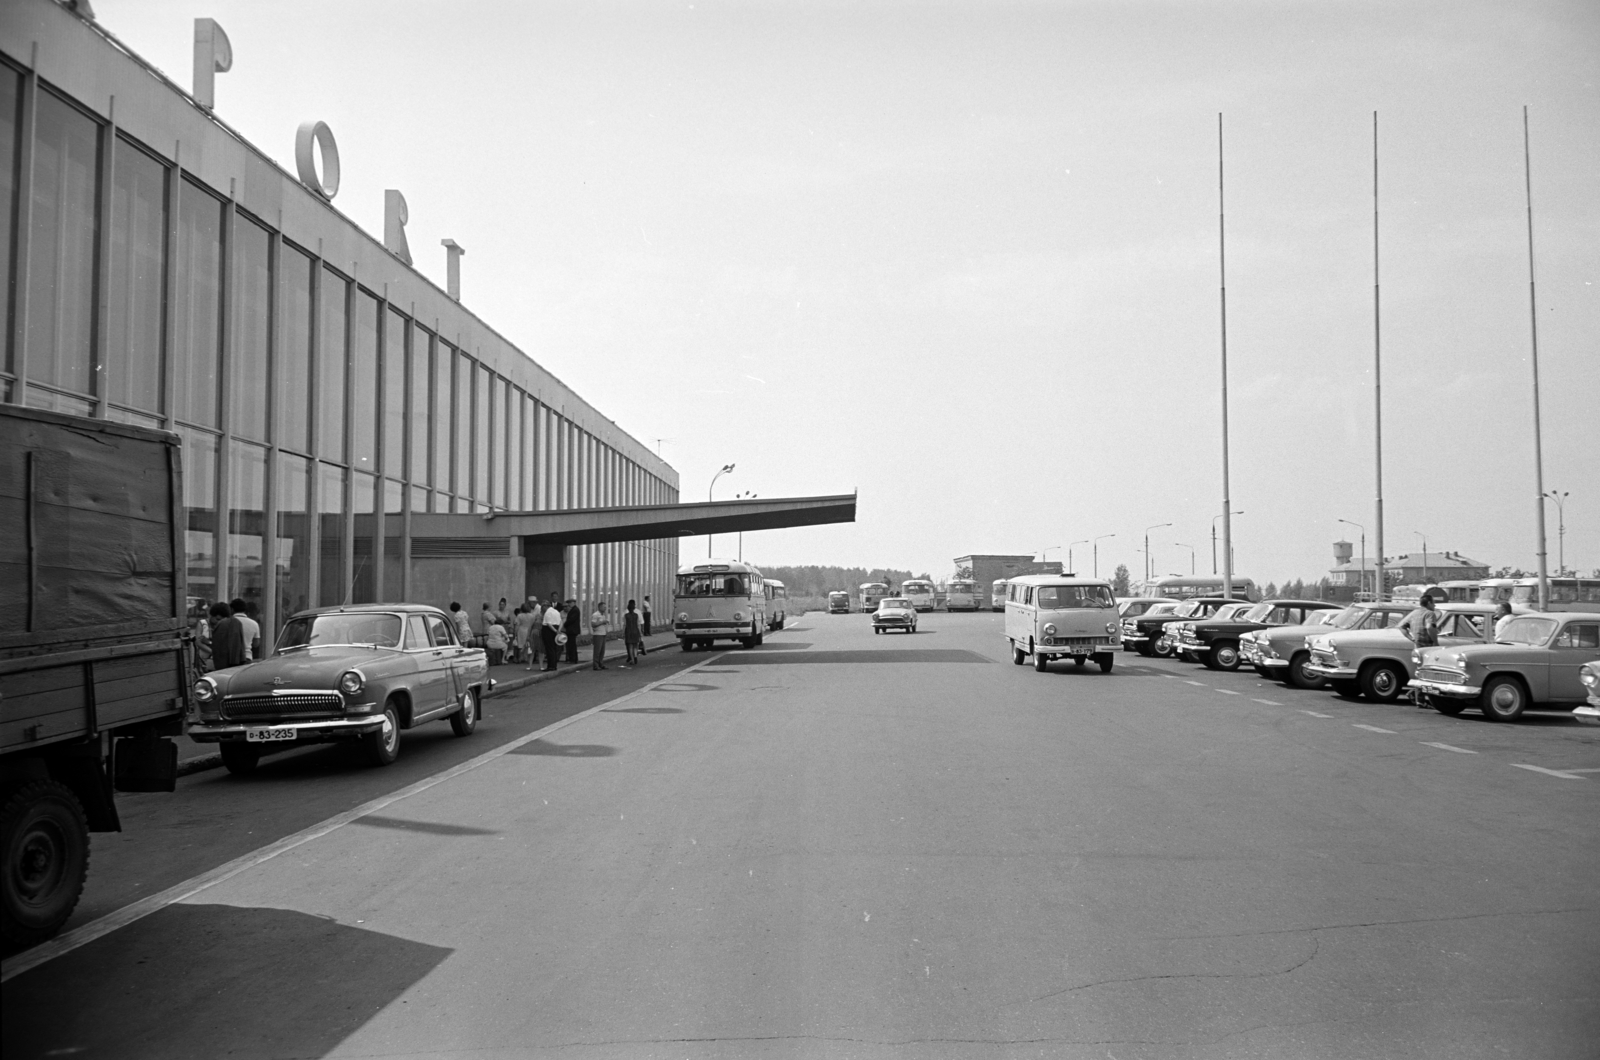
column 548, row 628
column 599, row 626
column 252, row 629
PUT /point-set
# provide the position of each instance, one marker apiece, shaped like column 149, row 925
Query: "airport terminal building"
column 348, row 428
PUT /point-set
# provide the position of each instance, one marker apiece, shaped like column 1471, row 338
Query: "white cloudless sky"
column 963, row 257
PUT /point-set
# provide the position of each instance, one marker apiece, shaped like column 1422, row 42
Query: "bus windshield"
column 717, row 584
column 1055, row 597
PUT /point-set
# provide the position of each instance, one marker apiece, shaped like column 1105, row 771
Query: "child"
column 496, row 643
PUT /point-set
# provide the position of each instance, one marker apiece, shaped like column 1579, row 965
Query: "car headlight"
column 1049, row 629
column 1589, row 680
column 205, row 691
column 351, row 682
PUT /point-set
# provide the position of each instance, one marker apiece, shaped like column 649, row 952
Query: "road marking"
column 87, row 933
column 1227, row 692
column 1581, row 771
column 1447, row 747
column 1272, row 703
column 1197, row 684
column 1374, row 728
column 1564, row 774
column 1313, row 713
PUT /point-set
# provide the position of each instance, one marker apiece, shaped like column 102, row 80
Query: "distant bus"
column 777, row 603
column 838, row 602
column 961, row 595
column 1461, row 592
column 719, row 600
column 920, row 592
column 1566, row 594
column 1496, row 590
column 997, row 595
column 869, row 594
column 1188, row 586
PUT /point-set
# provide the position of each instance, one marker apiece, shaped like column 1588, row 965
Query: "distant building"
column 986, row 570
column 1351, row 574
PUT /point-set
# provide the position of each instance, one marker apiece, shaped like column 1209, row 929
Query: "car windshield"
column 1349, row 618
column 1528, row 630
column 1057, row 597
column 378, row 630
column 1259, row 612
column 1162, row 609
column 893, row 601
column 1190, row 608
column 714, row 584
column 1322, row 617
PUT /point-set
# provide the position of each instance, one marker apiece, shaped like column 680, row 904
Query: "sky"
column 963, row 258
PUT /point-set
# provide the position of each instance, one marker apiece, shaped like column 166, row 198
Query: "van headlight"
column 351, row 682
column 1049, row 629
column 738, row 616
column 205, row 691
column 1111, row 627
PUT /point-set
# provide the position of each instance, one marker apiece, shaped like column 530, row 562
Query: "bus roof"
column 1057, row 579
column 719, row 566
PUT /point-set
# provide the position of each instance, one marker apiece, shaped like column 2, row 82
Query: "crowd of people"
column 539, row 634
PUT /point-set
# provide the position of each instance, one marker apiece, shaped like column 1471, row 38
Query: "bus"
column 720, row 599
column 1188, row 586
column 961, row 595
column 1566, row 594
column 777, row 603
column 997, row 595
column 1495, row 590
column 869, row 594
column 920, row 592
column 838, row 602
column 1461, row 592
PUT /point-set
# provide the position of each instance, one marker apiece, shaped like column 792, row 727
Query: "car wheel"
column 1382, row 682
column 46, row 842
column 1161, row 648
column 1106, row 662
column 1018, row 656
column 1346, row 689
column 1503, row 699
column 1224, row 657
column 1445, row 705
column 463, row 721
column 1299, row 676
column 1041, row 662
column 240, row 758
column 383, row 744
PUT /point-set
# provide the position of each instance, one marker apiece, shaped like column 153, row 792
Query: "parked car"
column 1377, row 663
column 894, row 612
column 1145, row 633
column 1533, row 662
column 1134, row 606
column 344, row 673
column 1176, row 632
column 1281, row 654
column 1589, row 676
column 1215, row 641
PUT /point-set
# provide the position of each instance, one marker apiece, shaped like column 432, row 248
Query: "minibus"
column 838, row 602
column 720, row 599
column 1056, row 616
column 869, row 594
column 777, row 603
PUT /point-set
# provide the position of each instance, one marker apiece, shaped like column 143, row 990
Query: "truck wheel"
column 463, row 721
column 1018, row 656
column 240, row 758
column 46, row 842
column 1382, row 682
column 383, row 745
column 1299, row 676
column 1503, row 699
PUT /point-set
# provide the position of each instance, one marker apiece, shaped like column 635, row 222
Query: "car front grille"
column 293, row 705
column 1441, row 675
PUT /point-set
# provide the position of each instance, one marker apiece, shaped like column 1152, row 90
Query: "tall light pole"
column 1363, row 530
column 1533, row 309
column 1377, row 371
column 1097, row 541
column 725, row 469
column 1424, row 538
column 746, row 495
column 1180, row 544
column 1222, row 275
column 1214, row 519
column 1043, row 552
column 1561, row 532
column 1147, row 530
column 1070, row 568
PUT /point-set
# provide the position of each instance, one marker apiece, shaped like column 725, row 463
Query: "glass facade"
column 317, row 417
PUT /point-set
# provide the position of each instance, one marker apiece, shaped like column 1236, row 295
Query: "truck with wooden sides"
column 95, row 650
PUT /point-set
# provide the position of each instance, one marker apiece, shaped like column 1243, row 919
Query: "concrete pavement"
column 847, row 845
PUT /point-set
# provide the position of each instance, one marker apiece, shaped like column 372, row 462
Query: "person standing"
column 646, row 610
column 227, row 638
column 527, row 645
column 462, row 624
column 252, row 630
column 549, row 626
column 632, row 641
column 487, row 618
column 599, row 627
column 571, row 626
column 1422, row 625
column 494, row 641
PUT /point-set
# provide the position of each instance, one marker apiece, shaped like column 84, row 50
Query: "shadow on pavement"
column 645, row 710
column 212, row 980
column 565, row 750
column 400, row 824
column 887, row 655
column 782, row 645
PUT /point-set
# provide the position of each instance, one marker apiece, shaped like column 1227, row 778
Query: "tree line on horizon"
column 809, row 580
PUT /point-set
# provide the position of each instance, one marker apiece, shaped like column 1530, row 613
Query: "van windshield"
column 1056, row 597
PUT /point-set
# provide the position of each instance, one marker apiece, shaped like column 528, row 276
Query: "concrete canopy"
column 589, row 526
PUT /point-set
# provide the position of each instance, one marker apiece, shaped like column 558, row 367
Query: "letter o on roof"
column 316, row 134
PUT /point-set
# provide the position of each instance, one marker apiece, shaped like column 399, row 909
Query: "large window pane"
column 330, row 519
column 394, row 394
column 200, row 503
column 443, row 403
column 530, row 450
column 481, row 435
column 364, row 384
column 421, row 428
column 10, row 128
column 63, row 241
column 491, row 429
column 138, row 279
column 199, row 306
column 330, row 366
column 247, row 375
column 462, row 483
column 364, row 497
column 247, row 499
column 513, row 450
column 292, row 374
column 294, row 537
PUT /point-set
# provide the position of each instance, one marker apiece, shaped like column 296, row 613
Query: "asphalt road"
column 847, row 845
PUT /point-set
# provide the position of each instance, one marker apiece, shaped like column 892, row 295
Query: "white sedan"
column 894, row 612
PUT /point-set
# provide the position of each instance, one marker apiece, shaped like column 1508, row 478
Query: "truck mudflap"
column 144, row 763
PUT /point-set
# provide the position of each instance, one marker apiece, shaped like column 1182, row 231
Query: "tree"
column 963, row 573
column 1271, row 591
column 1119, row 580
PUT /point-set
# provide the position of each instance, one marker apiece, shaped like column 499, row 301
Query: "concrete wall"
column 468, row 581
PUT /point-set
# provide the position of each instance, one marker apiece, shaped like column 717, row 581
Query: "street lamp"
column 1561, row 532
column 1424, row 538
column 1043, row 552
column 725, row 469
column 1097, row 541
column 1363, row 530
column 1214, row 519
column 1180, row 544
column 746, row 495
column 1147, row 530
column 1070, row 568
